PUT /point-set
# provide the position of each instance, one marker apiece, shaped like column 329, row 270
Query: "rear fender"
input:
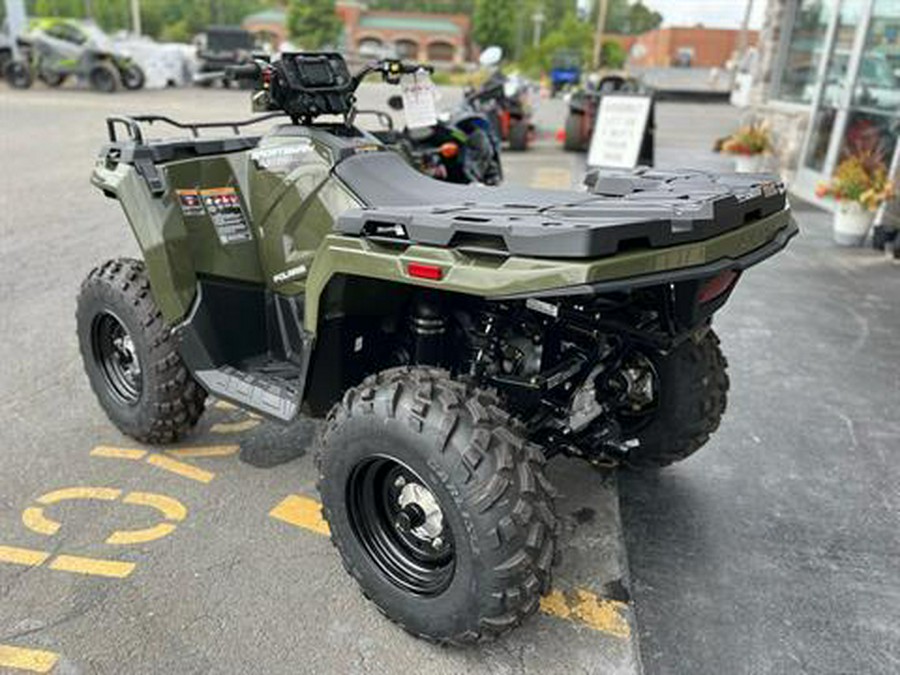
column 497, row 276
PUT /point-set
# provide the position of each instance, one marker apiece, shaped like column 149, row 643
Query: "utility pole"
column 538, row 19
column 88, row 9
column 16, row 21
column 743, row 39
column 601, row 26
column 136, row 16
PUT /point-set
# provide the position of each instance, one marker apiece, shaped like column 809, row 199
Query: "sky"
column 717, row 13
column 713, row 13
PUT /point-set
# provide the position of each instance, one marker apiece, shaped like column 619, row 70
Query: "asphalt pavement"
column 775, row 548
column 772, row 551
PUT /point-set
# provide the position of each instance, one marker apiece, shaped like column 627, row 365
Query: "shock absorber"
column 428, row 326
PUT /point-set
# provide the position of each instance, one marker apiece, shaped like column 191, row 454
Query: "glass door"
column 857, row 100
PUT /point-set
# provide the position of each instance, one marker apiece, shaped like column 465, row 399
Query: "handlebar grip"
column 249, row 71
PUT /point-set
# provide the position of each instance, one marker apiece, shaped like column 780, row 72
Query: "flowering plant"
column 862, row 178
column 752, row 139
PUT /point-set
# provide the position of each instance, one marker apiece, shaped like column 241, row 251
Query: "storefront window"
column 874, row 119
column 836, row 81
column 804, row 50
column 878, row 85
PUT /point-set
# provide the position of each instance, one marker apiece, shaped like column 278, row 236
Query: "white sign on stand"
column 418, row 93
column 619, row 131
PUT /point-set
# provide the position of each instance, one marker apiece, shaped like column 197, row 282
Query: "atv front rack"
column 132, row 124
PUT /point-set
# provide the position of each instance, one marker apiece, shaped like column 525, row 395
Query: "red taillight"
column 449, row 150
column 716, row 286
column 420, row 271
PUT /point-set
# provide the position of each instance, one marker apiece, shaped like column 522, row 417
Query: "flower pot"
column 851, row 224
column 748, row 163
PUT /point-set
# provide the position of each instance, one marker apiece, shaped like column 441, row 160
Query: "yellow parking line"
column 234, row 427
column 32, row 660
column 224, row 405
column 103, row 494
column 205, row 451
column 22, row 556
column 181, row 468
column 118, row 453
column 94, row 566
column 552, row 178
column 125, row 537
column 34, row 519
column 171, row 508
column 593, row 611
column 302, row 512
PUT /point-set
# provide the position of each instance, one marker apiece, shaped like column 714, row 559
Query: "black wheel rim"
column 399, row 522
column 116, row 358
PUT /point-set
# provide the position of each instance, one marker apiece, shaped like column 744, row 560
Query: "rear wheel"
column 18, row 74
column 130, row 357
column 438, row 507
column 574, row 125
column 132, row 77
column 691, row 383
column 104, row 78
column 518, row 136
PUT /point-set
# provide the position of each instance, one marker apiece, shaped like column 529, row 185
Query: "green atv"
column 453, row 337
column 56, row 49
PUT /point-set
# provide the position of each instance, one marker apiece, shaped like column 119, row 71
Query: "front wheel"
column 691, row 394
column 438, row 507
column 130, row 358
column 18, row 74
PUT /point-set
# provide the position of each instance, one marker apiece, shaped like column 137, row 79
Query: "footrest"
column 268, row 396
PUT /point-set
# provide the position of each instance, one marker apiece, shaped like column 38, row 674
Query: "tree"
column 626, row 19
column 494, row 23
column 313, row 23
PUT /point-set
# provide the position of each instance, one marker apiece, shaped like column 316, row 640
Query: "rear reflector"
column 420, row 271
column 716, row 286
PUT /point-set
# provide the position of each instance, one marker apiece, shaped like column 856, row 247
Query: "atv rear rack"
column 132, row 125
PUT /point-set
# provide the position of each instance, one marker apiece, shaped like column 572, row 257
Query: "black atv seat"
column 624, row 211
column 386, row 179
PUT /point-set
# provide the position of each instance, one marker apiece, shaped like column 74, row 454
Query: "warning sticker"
column 227, row 214
column 190, row 203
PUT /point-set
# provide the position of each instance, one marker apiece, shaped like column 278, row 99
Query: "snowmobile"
column 453, row 337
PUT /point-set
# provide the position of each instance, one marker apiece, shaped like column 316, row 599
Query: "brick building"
column 412, row 35
column 439, row 38
column 695, row 47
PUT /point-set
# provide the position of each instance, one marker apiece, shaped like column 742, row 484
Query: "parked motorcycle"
column 505, row 101
column 460, row 148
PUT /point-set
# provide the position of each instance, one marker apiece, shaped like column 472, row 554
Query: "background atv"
column 584, row 104
column 56, row 49
column 454, row 337
column 221, row 47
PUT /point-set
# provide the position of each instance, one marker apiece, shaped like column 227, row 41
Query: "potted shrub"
column 749, row 145
column 859, row 186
